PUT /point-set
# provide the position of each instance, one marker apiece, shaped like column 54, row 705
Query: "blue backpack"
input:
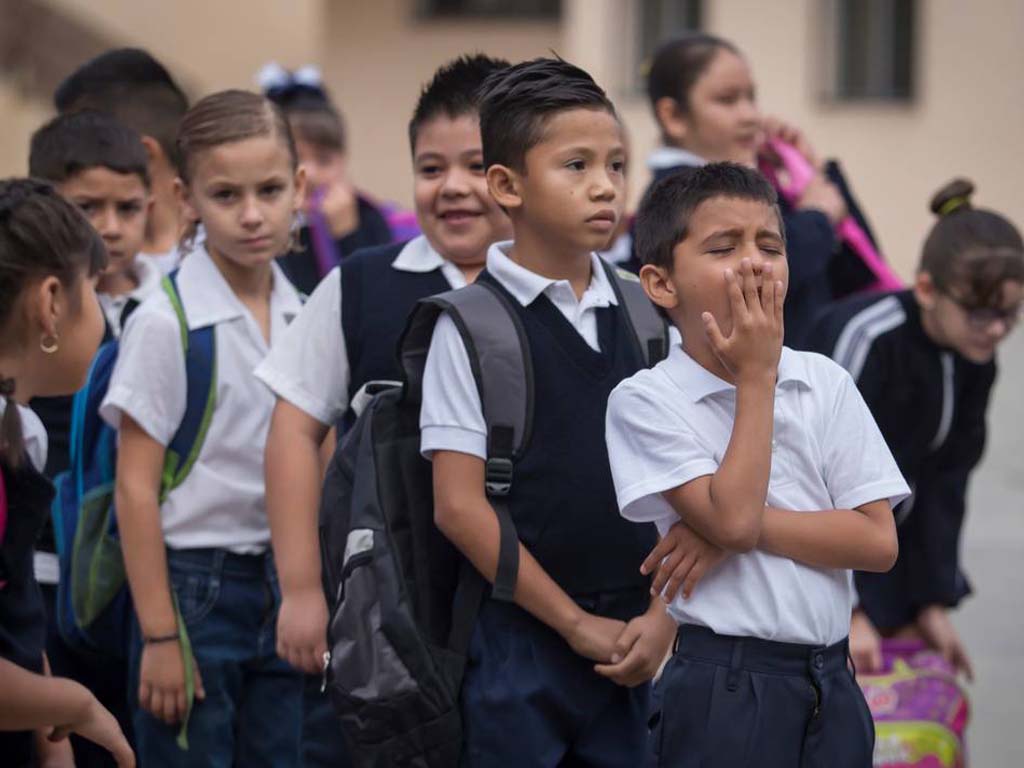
column 94, row 607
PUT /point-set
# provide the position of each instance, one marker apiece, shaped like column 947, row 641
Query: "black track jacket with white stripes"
column 930, row 404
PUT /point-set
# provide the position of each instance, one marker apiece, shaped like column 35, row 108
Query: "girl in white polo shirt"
column 199, row 556
column 769, row 462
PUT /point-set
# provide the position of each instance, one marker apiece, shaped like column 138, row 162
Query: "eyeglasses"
column 981, row 318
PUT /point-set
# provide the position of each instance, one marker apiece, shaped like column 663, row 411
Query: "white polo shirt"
column 308, row 365
column 672, row 424
column 221, row 502
column 451, row 418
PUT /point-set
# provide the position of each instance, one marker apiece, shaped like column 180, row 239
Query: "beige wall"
column 21, row 116
column 967, row 120
column 377, row 57
column 207, row 45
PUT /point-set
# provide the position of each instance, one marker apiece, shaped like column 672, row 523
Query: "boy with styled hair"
column 559, row 675
column 346, row 336
column 768, row 480
column 135, row 88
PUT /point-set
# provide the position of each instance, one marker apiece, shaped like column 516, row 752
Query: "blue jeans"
column 252, row 713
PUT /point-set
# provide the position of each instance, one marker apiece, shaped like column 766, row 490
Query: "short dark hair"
column 663, row 220
column 70, row 144
column 678, row 64
column 131, row 85
column 453, row 91
column 976, row 249
column 517, row 102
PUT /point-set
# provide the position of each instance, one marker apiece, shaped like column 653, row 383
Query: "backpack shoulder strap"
column 199, row 346
column 649, row 328
column 499, row 356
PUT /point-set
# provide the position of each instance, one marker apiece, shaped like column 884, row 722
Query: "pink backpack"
column 920, row 709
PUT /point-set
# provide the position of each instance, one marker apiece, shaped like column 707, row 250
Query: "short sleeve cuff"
column 894, row 491
column 120, row 400
column 290, row 390
column 452, row 439
column 631, row 497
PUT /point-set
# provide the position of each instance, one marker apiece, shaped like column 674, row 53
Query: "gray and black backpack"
column 403, row 600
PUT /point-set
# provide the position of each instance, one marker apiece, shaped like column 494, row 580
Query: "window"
column 655, row 22
column 506, row 9
column 869, row 49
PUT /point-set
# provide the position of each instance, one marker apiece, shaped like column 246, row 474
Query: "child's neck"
column 248, row 283
column 695, row 345
column 536, row 253
column 118, row 283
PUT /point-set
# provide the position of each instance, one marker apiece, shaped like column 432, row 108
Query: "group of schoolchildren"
column 711, row 509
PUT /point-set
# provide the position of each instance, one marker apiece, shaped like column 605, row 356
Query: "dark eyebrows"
column 769, row 234
column 732, row 234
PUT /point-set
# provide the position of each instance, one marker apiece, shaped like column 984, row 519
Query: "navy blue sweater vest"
column 376, row 300
column 562, row 498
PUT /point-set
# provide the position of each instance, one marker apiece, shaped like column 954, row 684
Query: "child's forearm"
column 34, row 701
column 293, row 478
column 467, row 519
column 740, row 486
column 727, row 510
column 862, row 539
column 145, row 558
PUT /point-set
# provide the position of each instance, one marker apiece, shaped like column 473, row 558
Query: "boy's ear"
column 672, row 120
column 505, row 186
column 154, row 153
column 925, row 291
column 184, row 197
column 658, row 286
column 300, row 188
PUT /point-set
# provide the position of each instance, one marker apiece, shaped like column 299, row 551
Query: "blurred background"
column 906, row 93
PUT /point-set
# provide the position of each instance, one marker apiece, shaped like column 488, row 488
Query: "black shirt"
column 930, row 405
column 22, row 615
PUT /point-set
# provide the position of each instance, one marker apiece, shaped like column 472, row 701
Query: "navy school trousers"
column 529, row 701
column 730, row 702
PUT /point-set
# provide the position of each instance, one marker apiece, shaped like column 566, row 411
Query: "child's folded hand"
column 865, row 644
column 302, row 630
column 595, row 637
column 641, row 648
column 938, row 631
column 754, row 344
column 681, row 559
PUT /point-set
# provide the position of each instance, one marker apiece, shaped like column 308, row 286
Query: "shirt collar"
column 526, row 286
column 699, row 383
column 418, row 255
column 208, row 299
column 672, row 157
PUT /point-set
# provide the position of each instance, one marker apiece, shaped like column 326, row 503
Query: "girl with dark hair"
column 338, row 218
column 50, row 327
column 924, row 360
column 197, row 552
column 703, row 96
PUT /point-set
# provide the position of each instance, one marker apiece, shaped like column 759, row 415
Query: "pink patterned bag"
column 919, row 707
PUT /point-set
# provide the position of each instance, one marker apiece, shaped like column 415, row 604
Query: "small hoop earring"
column 49, row 344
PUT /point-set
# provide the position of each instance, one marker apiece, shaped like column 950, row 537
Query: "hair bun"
column 954, row 196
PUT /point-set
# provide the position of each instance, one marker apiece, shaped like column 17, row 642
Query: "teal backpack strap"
column 200, row 350
column 199, row 346
column 649, row 328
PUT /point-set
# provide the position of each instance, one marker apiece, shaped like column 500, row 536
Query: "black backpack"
column 403, row 600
